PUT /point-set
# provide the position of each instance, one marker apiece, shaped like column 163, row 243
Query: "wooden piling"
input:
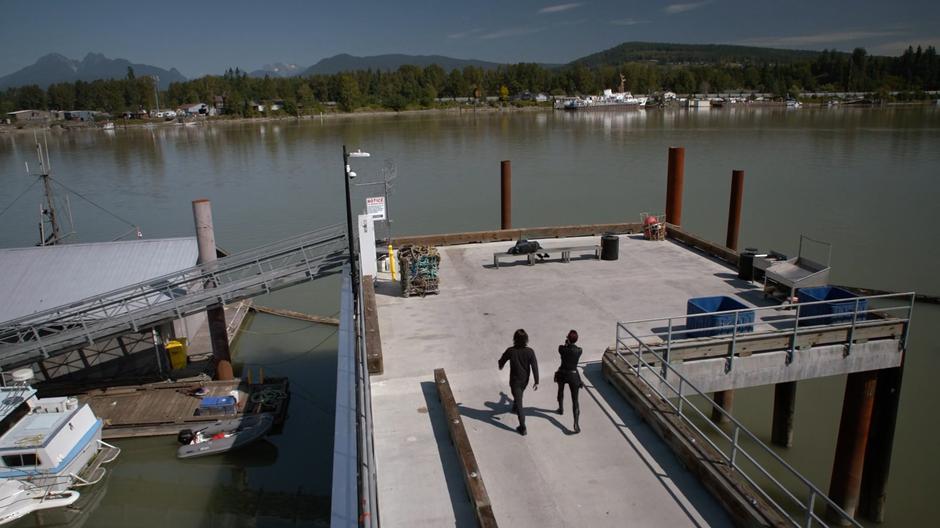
column 784, row 408
column 725, row 400
column 218, row 330
column 506, row 194
column 880, row 444
column 675, row 177
column 848, row 462
column 734, row 209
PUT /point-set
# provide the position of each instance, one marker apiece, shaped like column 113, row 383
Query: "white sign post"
column 375, row 207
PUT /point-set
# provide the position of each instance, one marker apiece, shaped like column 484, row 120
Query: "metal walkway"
column 154, row 302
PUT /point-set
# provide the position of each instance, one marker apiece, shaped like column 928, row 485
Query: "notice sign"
column 375, row 207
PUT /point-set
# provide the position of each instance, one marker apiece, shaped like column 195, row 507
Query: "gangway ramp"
column 148, row 304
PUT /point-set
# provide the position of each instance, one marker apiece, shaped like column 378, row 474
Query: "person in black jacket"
column 521, row 359
column 567, row 374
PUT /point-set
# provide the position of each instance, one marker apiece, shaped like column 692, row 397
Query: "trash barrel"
column 610, row 246
column 746, row 264
column 176, row 349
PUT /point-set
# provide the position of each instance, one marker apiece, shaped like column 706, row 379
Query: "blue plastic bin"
column 717, row 324
column 839, row 311
column 216, row 405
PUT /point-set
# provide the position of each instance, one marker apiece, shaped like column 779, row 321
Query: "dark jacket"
column 520, row 361
column 568, row 370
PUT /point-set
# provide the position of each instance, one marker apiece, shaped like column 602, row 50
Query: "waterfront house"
column 193, row 109
column 29, row 116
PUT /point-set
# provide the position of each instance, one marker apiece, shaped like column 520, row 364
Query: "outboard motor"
column 185, row 436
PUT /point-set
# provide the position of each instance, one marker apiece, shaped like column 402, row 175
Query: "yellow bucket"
column 176, row 349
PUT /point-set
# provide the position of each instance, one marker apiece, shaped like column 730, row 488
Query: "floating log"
column 291, row 314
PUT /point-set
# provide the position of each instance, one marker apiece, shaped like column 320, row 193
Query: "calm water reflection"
column 864, row 179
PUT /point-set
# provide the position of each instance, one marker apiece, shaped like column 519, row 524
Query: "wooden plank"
column 312, row 318
column 473, row 479
column 501, row 235
column 729, row 256
column 374, row 359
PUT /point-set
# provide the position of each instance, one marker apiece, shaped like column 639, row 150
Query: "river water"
column 865, row 180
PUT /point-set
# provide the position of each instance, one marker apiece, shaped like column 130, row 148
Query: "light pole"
column 348, row 174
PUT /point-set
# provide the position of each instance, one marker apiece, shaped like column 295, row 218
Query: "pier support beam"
column 218, row 330
column 846, row 482
column 506, row 194
column 675, row 177
column 725, row 400
column 781, row 432
column 880, row 444
column 734, row 209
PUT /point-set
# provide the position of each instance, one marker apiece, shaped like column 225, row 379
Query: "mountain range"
column 55, row 68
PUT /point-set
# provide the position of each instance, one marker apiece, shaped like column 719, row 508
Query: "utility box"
column 701, row 309
column 839, row 310
column 176, row 350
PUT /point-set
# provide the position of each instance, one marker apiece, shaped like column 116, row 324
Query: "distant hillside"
column 278, row 69
column 345, row 62
column 55, row 68
column 690, row 53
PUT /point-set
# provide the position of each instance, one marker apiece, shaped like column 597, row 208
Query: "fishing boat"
column 49, row 443
column 18, row 499
column 609, row 100
column 223, row 435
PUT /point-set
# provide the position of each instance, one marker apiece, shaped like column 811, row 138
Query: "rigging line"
column 301, row 329
column 80, row 195
column 7, row 208
column 296, row 356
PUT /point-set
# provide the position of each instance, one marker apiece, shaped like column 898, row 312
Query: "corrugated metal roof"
column 38, row 278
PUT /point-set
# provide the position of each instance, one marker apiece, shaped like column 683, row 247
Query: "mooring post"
column 674, row 180
column 734, row 209
column 880, row 444
column 781, row 432
column 725, row 400
column 848, row 462
column 506, row 194
column 218, row 330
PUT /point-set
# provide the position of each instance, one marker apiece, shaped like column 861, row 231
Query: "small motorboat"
column 223, row 435
column 18, row 499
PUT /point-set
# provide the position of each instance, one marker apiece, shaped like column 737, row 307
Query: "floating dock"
column 157, row 409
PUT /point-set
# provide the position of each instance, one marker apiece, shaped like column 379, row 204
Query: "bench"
column 565, row 253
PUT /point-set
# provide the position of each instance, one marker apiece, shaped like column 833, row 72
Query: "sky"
column 206, row 37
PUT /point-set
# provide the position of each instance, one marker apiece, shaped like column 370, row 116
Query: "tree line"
column 915, row 70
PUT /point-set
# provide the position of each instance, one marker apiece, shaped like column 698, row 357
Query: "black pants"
column 517, row 402
column 574, row 385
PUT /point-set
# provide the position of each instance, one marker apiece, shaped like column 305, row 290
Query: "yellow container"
column 176, row 349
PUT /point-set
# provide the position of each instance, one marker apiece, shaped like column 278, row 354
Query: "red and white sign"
column 375, row 207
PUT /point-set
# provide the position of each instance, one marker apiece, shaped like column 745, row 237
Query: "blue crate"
column 717, row 324
column 837, row 312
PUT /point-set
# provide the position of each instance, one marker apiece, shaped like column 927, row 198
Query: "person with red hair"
column 567, row 374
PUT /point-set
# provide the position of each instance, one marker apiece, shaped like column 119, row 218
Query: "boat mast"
column 47, row 211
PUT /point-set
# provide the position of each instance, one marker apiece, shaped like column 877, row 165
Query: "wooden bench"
column 565, row 253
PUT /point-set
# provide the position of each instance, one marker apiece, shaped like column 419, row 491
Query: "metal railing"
column 788, row 320
column 153, row 302
column 636, row 347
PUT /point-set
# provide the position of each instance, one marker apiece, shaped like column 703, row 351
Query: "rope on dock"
column 291, row 314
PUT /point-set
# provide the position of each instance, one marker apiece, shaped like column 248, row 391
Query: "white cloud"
column 832, row 37
column 464, row 34
column 673, row 9
column 511, row 32
column 628, row 22
column 558, row 8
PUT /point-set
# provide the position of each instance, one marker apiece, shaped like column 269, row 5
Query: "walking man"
column 567, row 374
column 521, row 359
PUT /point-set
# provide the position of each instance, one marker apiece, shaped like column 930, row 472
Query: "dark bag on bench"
column 524, row 247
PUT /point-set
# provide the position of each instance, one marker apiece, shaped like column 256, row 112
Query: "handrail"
column 638, row 348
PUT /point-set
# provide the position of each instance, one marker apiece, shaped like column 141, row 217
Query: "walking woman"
column 567, row 374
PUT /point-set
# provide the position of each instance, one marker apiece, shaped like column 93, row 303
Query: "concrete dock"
column 616, row 471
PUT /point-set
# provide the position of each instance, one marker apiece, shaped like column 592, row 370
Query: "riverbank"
column 372, row 113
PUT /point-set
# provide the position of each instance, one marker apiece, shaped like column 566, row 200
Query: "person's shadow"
column 494, row 411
